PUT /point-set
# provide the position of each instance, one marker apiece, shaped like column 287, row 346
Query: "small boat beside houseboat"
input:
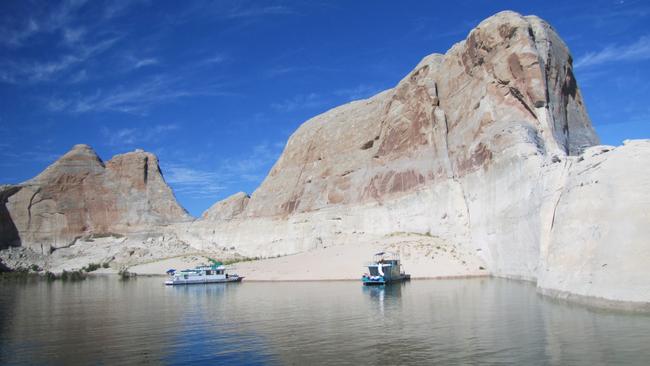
column 385, row 268
column 215, row 273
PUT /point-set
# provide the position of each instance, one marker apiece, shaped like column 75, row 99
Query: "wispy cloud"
column 115, row 8
column 360, row 91
column 75, row 34
column 19, row 158
column 277, row 71
column 16, row 37
column 78, row 77
column 72, row 36
column 58, row 17
column 216, row 59
column 146, row 62
column 229, row 175
column 424, row 27
column 254, row 167
column 36, row 72
column 283, row 70
column 316, row 100
column 615, row 17
column 300, row 101
column 238, row 14
column 637, row 51
column 252, row 11
column 126, row 61
column 136, row 98
column 128, row 137
column 192, row 181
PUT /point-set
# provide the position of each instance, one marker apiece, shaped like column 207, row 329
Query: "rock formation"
column 487, row 147
column 80, row 196
column 477, row 147
column 456, row 150
column 227, row 209
column 510, row 85
column 598, row 245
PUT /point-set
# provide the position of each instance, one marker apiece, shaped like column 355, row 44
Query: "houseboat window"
column 208, row 272
column 373, row 271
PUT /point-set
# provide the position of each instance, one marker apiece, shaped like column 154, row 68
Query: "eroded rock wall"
column 599, row 243
column 475, row 147
column 487, row 126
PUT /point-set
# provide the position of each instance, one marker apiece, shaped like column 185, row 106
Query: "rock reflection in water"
column 106, row 321
column 469, row 321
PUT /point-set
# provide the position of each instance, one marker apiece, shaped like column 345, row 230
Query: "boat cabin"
column 202, row 274
column 385, row 267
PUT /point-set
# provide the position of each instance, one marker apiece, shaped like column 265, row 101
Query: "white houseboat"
column 215, row 273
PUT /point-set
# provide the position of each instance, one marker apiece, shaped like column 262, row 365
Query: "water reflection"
column 487, row 321
column 379, row 294
column 104, row 321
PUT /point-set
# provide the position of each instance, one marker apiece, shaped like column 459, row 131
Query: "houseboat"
column 215, row 273
column 384, row 268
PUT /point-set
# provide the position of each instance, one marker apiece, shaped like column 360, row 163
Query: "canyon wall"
column 477, row 147
column 469, row 147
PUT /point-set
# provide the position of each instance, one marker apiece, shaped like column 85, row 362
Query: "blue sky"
column 215, row 88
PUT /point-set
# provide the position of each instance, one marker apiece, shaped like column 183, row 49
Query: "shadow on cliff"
column 9, row 236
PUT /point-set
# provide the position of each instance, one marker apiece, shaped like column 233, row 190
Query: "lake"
column 488, row 321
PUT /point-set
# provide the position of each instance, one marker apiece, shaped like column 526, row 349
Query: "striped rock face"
column 507, row 90
column 488, row 146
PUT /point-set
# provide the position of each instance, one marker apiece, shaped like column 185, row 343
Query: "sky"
column 215, row 88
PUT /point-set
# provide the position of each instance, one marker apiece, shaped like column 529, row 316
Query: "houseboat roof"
column 386, row 256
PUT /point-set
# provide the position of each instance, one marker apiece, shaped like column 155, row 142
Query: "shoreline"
column 595, row 303
column 592, row 303
column 459, row 277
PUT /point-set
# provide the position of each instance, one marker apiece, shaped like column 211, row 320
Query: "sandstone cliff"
column 80, row 196
column 227, row 209
column 510, row 85
column 455, row 150
column 476, row 147
column 598, row 245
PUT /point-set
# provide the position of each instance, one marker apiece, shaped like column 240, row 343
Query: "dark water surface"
column 105, row 321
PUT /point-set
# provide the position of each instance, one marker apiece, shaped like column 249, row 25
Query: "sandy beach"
column 422, row 257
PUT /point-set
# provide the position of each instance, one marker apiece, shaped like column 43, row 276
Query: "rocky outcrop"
column 508, row 90
column 80, row 196
column 227, row 209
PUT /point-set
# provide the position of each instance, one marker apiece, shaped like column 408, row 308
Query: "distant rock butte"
column 487, row 147
column 80, row 195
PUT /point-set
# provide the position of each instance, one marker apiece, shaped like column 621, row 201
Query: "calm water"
column 475, row 321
